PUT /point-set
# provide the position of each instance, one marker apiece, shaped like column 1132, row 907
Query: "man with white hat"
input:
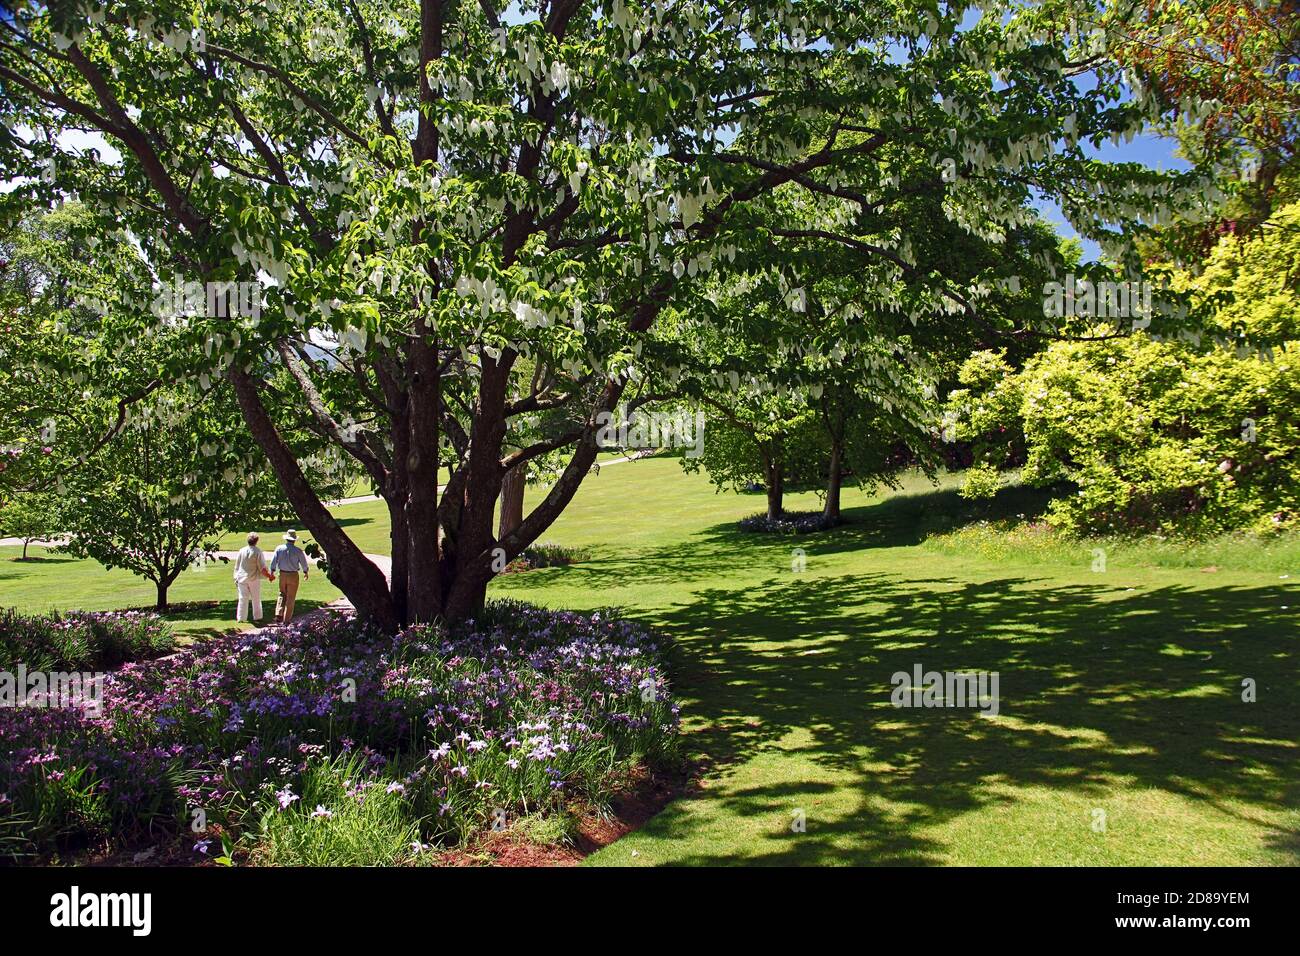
column 289, row 561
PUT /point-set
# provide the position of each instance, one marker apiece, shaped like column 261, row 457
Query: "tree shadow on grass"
column 904, row 520
column 1100, row 688
column 897, row 522
column 15, row 567
column 1095, row 686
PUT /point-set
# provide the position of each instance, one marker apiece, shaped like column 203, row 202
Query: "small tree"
column 156, row 500
column 31, row 517
column 759, row 439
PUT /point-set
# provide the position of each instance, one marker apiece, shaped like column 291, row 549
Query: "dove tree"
column 828, row 365
column 428, row 192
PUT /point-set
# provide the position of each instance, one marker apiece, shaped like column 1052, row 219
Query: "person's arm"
column 306, row 565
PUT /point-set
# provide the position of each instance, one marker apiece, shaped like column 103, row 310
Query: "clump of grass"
column 554, row 829
column 338, row 821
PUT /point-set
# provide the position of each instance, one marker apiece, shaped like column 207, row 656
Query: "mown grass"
column 203, row 601
column 1121, row 691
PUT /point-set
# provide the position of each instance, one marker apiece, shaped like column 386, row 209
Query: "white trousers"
column 250, row 599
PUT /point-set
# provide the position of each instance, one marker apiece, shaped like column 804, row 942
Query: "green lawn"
column 57, row 581
column 1120, row 690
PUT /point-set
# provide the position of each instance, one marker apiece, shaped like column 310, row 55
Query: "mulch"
column 630, row 808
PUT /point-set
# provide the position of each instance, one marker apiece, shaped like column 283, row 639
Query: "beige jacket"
column 249, row 563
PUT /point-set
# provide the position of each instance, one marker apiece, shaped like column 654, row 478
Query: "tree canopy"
column 428, row 194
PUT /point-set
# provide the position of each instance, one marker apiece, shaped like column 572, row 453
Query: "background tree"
column 31, row 516
column 1236, row 62
column 158, row 497
column 852, row 352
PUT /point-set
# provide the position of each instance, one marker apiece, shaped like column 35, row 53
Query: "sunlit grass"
column 203, row 600
column 1122, row 737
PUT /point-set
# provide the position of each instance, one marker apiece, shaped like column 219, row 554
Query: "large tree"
column 431, row 191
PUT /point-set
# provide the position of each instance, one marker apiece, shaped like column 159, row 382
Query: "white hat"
column 291, row 535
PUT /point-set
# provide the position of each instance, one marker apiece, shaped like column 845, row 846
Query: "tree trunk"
column 26, row 541
column 399, row 545
column 512, row 500
column 833, row 482
column 475, row 542
column 161, row 605
column 775, row 488
column 424, row 587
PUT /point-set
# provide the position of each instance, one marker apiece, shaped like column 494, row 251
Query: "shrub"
column 521, row 711
column 1195, row 435
column 81, row 640
column 792, row 522
column 1155, row 436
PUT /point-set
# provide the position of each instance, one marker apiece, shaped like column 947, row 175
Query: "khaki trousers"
column 288, row 591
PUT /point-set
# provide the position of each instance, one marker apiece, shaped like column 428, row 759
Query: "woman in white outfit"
column 250, row 568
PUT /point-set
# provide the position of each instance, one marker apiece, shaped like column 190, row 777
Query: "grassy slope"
column 1120, row 691
column 61, row 582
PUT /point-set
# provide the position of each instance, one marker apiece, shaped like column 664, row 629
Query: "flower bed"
column 792, row 522
column 81, row 640
column 278, row 739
